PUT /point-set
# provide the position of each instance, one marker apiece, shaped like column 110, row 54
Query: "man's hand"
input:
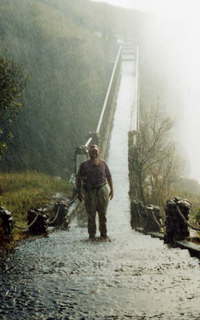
column 111, row 194
column 80, row 196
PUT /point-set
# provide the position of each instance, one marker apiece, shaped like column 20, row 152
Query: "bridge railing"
column 103, row 130
column 106, row 117
column 135, row 114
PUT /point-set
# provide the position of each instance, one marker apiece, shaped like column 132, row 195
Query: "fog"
column 65, row 86
column 177, row 26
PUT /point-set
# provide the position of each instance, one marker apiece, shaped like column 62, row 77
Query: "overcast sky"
column 169, row 8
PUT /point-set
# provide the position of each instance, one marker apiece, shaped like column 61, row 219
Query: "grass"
column 21, row 191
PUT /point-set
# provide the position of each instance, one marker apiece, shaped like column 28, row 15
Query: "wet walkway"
column 133, row 277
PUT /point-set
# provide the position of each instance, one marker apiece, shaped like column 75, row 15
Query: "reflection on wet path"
column 119, row 215
column 133, row 277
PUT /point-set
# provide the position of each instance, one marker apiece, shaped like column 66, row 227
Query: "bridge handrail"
column 109, row 90
column 138, row 89
column 102, row 130
column 108, row 93
column 135, row 115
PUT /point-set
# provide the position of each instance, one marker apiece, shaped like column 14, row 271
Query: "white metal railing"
column 135, row 114
column 104, row 115
column 138, row 88
column 109, row 91
column 108, row 94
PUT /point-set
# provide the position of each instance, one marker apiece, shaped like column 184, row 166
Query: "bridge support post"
column 152, row 219
column 146, row 218
column 60, row 218
column 6, row 223
column 176, row 225
column 37, row 221
column 136, row 214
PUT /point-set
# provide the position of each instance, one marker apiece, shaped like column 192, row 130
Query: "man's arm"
column 79, row 185
column 110, row 183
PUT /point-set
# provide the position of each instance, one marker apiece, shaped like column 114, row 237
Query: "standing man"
column 92, row 179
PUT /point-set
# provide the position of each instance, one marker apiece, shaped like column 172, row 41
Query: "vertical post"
column 135, row 116
column 137, row 88
column 176, row 224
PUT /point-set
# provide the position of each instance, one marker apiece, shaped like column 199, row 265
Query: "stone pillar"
column 59, row 218
column 40, row 224
column 176, row 226
column 152, row 221
column 6, row 223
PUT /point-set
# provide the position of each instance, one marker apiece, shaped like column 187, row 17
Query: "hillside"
column 68, row 65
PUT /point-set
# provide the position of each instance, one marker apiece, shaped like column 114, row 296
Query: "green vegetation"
column 21, row 191
column 67, row 48
column 12, row 83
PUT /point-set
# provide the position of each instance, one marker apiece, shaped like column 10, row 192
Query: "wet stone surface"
column 132, row 277
column 65, row 277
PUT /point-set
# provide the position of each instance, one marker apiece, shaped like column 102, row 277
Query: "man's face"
column 93, row 151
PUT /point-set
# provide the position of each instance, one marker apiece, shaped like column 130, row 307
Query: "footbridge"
column 64, row 276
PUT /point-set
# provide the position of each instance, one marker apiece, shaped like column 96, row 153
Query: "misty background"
column 67, row 50
column 173, row 40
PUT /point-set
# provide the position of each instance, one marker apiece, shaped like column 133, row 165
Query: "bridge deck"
column 133, row 277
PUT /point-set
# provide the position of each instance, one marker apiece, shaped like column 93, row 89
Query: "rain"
column 99, row 118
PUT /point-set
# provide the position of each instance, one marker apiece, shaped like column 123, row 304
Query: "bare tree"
column 152, row 159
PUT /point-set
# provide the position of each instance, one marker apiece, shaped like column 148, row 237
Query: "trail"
column 64, row 276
